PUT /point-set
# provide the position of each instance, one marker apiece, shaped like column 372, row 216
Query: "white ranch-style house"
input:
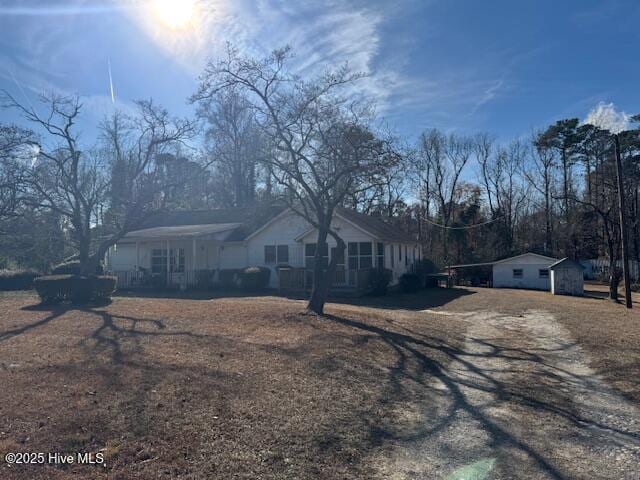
column 184, row 249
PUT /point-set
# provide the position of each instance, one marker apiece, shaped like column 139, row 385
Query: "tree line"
column 264, row 134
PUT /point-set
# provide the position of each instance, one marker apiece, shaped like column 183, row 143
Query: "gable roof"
column 541, row 257
column 239, row 221
column 242, row 223
column 182, row 230
column 375, row 226
column 566, row 261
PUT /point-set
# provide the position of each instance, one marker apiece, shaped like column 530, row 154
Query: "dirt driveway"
column 519, row 400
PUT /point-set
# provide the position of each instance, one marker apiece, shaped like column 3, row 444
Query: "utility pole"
column 623, row 227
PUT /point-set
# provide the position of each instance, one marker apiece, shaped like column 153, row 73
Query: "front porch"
column 301, row 280
column 201, row 279
column 168, row 257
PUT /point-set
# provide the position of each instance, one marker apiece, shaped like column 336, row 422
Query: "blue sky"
column 500, row 66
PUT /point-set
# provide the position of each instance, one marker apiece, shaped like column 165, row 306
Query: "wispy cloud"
column 65, row 8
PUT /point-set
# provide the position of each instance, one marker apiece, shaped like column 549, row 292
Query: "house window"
column 276, row 254
column 393, row 257
column 406, row 257
column 399, row 253
column 269, row 254
column 159, row 260
column 360, row 255
column 543, row 273
column 517, row 273
column 310, row 253
column 283, row 253
column 380, row 255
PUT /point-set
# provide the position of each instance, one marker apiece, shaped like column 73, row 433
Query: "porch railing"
column 144, row 279
column 301, row 279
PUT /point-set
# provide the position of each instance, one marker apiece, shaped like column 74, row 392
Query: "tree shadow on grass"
column 422, row 300
column 427, row 362
column 54, row 312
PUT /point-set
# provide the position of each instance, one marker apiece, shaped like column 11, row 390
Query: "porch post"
column 193, row 258
column 168, row 262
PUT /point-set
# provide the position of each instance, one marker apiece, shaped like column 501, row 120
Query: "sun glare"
column 175, row 14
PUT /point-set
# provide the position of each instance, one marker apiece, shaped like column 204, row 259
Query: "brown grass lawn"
column 248, row 387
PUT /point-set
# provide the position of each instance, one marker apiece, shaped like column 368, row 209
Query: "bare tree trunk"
column 323, row 276
column 614, row 277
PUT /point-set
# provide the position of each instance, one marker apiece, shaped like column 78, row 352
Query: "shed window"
column 543, row 273
column 517, row 273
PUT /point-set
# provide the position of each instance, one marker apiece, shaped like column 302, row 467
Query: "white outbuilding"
column 529, row 270
column 567, row 277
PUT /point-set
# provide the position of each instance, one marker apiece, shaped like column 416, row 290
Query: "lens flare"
column 175, row 14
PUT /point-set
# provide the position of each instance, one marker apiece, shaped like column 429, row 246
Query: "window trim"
column 175, row 262
column 276, row 254
column 379, row 263
column 358, row 256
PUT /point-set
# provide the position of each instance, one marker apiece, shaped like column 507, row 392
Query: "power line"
column 466, row 227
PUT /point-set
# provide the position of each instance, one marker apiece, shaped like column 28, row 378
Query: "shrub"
column 378, row 281
column 74, row 288
column 67, row 268
column 17, row 279
column 158, row 281
column 254, row 278
column 410, row 283
column 103, row 286
column 204, row 279
column 229, row 278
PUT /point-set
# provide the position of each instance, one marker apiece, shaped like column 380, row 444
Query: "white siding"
column 567, row 281
column 530, row 266
column 122, row 257
column 233, row 256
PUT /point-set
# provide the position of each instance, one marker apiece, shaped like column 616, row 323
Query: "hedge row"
column 74, row 288
column 17, row 279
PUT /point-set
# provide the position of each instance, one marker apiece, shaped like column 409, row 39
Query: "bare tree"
column 13, row 157
column 235, row 146
column 74, row 182
column 502, row 185
column 324, row 145
column 443, row 158
column 539, row 174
